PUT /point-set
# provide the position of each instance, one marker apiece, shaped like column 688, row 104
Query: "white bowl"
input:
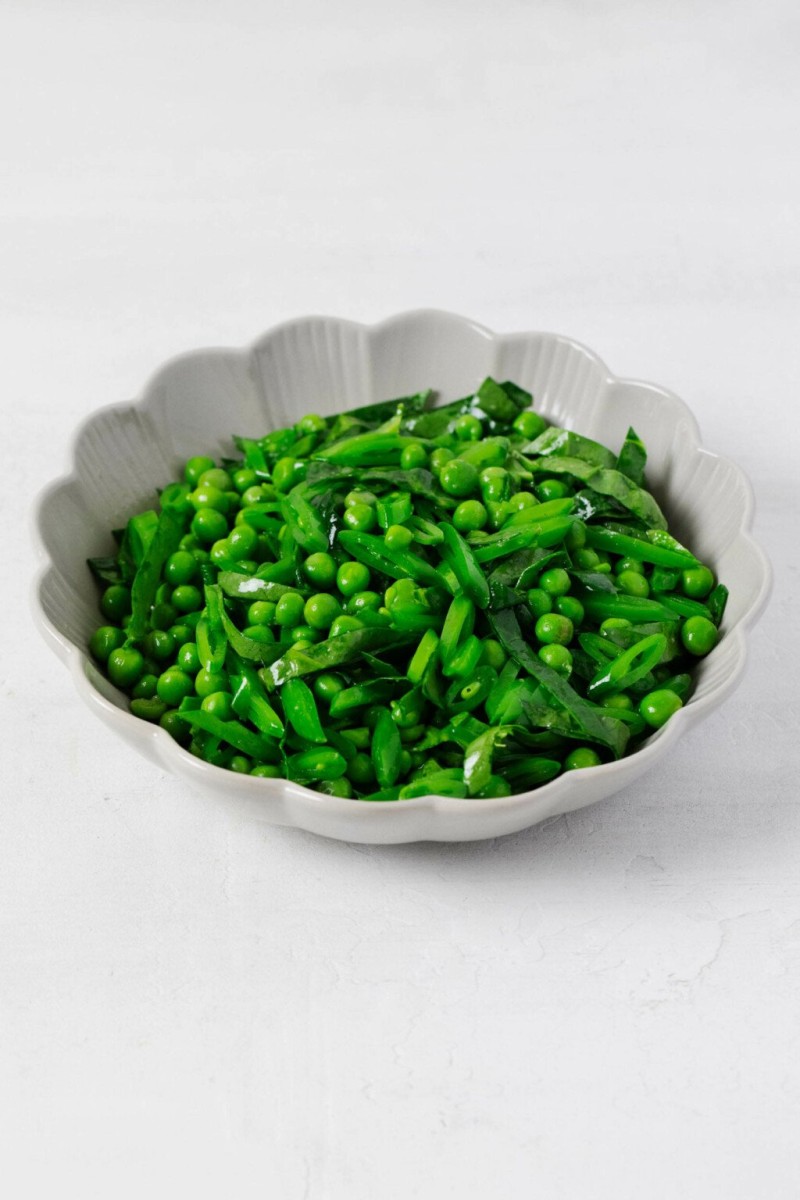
column 195, row 402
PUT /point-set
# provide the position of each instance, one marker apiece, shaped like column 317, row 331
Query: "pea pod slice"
column 628, row 667
column 386, row 750
column 300, row 709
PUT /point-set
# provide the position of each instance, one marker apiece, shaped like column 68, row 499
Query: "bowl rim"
column 157, row 744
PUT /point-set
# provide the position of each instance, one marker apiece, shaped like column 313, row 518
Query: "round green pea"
column 582, row 756
column 216, row 477
column 345, row 624
column 352, row 578
column 529, row 424
column 552, row 489
column 260, row 633
column 145, row 687
column 209, row 525
column 195, row 467
column 173, row 686
column 243, row 479
column 495, row 485
column 657, row 707
column 320, row 569
column 553, row 628
column 520, row 501
column 458, row 478
column 360, row 517
column 439, row 457
column 557, row 657
column 115, row 603
column 413, row 456
column 612, row 623
column 304, row 634
column 327, row 685
column 207, row 682
column 124, row 666
column 181, row 567
column 539, row 602
column 241, row 764
column 321, row 610
column 266, row 771
column 310, row 423
column 556, row 581
column 207, row 496
column 629, row 564
column 570, row 606
column 363, row 600
column 397, row 537
column 289, row 609
column 176, row 727
column 252, row 495
column 104, row 640
column 697, row 582
column 618, row 700
column 218, row 704
column 261, row 612
column 468, row 428
column 242, row 541
column 586, row 559
column 699, row 635
column 360, row 496
column 493, row 655
column 188, row 658
column 633, row 584
column 158, row 645
column 470, row 515
column 187, row 598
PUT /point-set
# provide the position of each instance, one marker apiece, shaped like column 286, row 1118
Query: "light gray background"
column 604, row 1006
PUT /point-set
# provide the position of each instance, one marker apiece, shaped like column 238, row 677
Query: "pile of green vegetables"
column 404, row 600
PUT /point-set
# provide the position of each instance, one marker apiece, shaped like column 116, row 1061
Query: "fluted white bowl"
column 323, row 364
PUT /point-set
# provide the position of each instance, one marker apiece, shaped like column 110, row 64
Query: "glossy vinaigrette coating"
column 403, row 600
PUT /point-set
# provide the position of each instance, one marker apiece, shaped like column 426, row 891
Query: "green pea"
column 206, row 496
column 176, row 727
column 495, row 485
column 124, row 666
column 520, row 501
column 188, row 659
column 115, row 602
column 699, row 635
column 345, row 624
column 243, row 479
column 439, row 457
column 173, row 686
column 360, row 517
column 552, row 489
column 151, row 709
column 629, row 564
column 287, row 473
column 158, row 645
column 310, row 423
column 657, row 707
column 352, row 578
column 320, row 569
column 187, row 598
column 242, row 541
column 397, row 537
column 252, row 495
column 586, row 559
column 209, row 525
column 356, row 603
column 261, row 612
column 557, row 657
column 145, row 687
column 413, row 456
column 697, row 582
column 266, row 771
column 633, row 584
column 104, row 640
column 360, row 770
column 553, row 628
column 493, row 655
column 260, row 633
column 327, row 685
column 539, row 602
column 340, row 788
column 305, row 634
column 612, row 623
column 241, row 764
column 556, row 582
column 581, row 757
column 181, row 567
column 458, row 478
column 468, row 428
column 576, row 537
column 321, row 610
column 218, row 704
column 618, row 700
column 216, row 477
column 570, row 606
column 529, row 425
column 360, row 496
column 195, row 468
column 289, row 609
column 470, row 515
column 207, row 682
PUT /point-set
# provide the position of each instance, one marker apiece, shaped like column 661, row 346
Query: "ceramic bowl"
column 194, row 403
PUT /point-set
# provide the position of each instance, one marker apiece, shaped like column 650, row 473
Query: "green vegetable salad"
column 404, row 600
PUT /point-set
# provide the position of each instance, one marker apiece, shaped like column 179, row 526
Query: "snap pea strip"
column 405, row 600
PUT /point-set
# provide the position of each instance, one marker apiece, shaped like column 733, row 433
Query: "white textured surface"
column 605, row 1006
